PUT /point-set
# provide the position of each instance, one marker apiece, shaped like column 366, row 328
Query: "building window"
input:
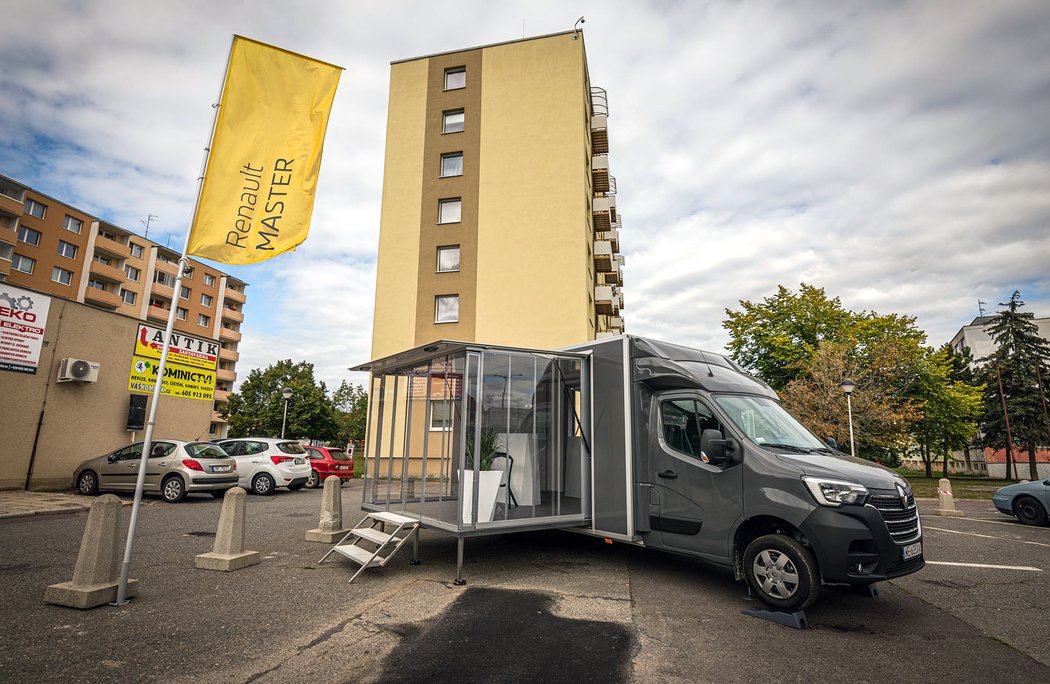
column 73, row 225
column 136, row 250
column 209, row 279
column 181, row 313
column 206, row 299
column 452, row 164
column 23, row 263
column 162, row 278
column 29, row 236
column 108, row 235
column 184, row 293
column 203, row 320
column 446, row 309
column 132, row 273
column 455, row 78
column 452, row 121
column 450, row 210
column 34, row 208
column 67, row 249
column 440, row 416
column 97, row 284
column 61, row 276
column 448, row 258
column 104, row 260
column 128, row 296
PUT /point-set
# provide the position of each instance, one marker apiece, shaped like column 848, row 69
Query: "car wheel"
column 1029, row 511
column 313, row 480
column 173, row 489
column 87, row 483
column 782, row 572
column 219, row 493
column 263, row 484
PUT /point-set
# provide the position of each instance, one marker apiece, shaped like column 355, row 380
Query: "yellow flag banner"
column 259, row 182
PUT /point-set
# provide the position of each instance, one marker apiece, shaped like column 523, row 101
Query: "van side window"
column 684, row 421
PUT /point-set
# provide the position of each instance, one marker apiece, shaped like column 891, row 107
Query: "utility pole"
column 1006, row 417
column 1042, row 396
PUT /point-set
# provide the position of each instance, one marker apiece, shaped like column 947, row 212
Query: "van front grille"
column 901, row 517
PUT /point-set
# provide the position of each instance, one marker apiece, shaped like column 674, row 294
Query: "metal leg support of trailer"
column 459, row 581
column 415, row 548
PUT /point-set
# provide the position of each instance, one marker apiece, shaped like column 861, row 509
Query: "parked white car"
column 264, row 464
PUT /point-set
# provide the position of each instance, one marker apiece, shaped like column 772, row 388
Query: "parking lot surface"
column 554, row 606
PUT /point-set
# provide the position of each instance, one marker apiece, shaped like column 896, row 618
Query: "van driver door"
column 694, row 502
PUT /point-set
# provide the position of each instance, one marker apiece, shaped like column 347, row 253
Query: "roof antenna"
column 980, row 306
column 149, row 219
column 576, row 28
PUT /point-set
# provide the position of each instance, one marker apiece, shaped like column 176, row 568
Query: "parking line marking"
column 982, row 520
column 985, row 536
column 985, row 565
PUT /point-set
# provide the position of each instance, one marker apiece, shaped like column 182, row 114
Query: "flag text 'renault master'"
column 256, row 195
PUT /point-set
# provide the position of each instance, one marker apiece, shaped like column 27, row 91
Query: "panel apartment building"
column 499, row 219
column 49, row 246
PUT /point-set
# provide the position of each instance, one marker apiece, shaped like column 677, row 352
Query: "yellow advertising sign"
column 258, row 192
column 179, row 381
column 183, row 349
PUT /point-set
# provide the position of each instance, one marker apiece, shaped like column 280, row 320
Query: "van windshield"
column 766, row 422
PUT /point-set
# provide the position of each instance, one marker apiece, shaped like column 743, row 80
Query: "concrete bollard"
column 945, row 500
column 95, row 578
column 228, row 553
column 331, row 527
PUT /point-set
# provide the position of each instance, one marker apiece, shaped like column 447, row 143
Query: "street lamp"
column 287, row 394
column 848, row 386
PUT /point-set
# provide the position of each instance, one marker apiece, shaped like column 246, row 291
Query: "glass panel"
column 451, row 165
column 447, row 309
column 453, row 122
column 455, row 78
column 448, row 259
column 449, row 211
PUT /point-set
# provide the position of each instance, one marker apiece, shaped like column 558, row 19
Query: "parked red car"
column 325, row 461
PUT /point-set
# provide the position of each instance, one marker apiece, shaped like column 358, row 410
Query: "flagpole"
column 147, row 443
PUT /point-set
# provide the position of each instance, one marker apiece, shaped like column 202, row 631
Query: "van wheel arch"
column 758, row 526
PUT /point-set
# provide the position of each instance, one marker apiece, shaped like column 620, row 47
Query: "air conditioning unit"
column 78, row 370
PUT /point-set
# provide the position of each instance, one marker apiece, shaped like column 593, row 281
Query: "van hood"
column 846, row 468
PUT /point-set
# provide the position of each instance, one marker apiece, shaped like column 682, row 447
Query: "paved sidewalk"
column 19, row 504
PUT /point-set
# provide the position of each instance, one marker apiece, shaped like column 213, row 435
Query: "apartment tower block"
column 499, row 220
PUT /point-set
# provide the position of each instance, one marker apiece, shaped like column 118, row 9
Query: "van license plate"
column 911, row 551
column 220, row 469
column 300, row 461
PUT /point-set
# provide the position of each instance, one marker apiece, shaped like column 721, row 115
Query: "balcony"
column 226, row 375
column 221, row 395
column 604, row 211
column 611, row 236
column 613, row 277
column 600, row 174
column 600, row 134
column 603, row 256
column 11, row 205
column 167, row 267
column 229, row 335
column 164, row 291
column 5, row 268
column 615, row 323
column 234, row 295
column 605, row 334
column 229, row 354
column 606, row 300
column 157, row 313
column 232, row 315
column 103, row 298
column 599, row 102
column 107, row 272
column 112, row 247
column 8, row 228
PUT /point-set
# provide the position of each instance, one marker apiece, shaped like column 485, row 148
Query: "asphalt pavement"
column 555, row 606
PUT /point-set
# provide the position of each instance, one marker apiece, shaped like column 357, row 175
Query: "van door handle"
column 668, row 475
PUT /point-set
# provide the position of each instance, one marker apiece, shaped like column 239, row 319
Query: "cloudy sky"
column 895, row 153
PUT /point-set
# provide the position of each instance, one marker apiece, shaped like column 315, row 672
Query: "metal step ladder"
column 386, row 544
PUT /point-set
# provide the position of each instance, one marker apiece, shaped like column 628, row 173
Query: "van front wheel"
column 782, row 572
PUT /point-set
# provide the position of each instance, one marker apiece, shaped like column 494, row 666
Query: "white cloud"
column 895, row 153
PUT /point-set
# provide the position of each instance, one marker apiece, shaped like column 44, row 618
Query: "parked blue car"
column 1029, row 501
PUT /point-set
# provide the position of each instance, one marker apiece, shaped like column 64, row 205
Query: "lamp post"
column 287, row 394
column 848, row 386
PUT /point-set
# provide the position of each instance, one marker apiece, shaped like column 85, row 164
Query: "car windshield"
column 766, row 422
column 291, row 447
column 338, row 455
column 205, row 450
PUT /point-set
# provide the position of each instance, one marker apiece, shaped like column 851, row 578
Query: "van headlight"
column 836, row 492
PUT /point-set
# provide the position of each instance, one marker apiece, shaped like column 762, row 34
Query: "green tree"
column 351, row 405
column 949, row 409
column 1020, row 359
column 257, row 408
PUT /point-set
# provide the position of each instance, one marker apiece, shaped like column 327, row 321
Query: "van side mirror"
column 717, row 449
column 832, row 442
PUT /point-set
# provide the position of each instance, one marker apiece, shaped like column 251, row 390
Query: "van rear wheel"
column 782, row 572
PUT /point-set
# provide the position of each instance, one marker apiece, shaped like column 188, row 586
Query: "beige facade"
column 497, row 158
column 56, row 249
column 79, row 421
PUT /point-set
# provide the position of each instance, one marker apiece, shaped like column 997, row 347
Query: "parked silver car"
column 175, row 468
column 266, row 463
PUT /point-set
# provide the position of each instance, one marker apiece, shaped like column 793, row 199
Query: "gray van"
column 638, row 441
